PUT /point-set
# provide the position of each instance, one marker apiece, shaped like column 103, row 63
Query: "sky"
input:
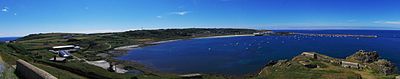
column 23, row 17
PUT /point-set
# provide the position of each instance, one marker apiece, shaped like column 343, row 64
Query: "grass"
column 297, row 71
column 59, row 73
column 294, row 70
column 87, row 70
column 7, row 60
column 8, row 72
column 33, row 48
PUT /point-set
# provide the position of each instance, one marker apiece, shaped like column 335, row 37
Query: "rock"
column 364, row 56
column 272, row 62
column 384, row 66
column 275, row 62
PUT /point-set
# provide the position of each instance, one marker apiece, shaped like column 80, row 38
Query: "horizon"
column 211, row 28
column 20, row 18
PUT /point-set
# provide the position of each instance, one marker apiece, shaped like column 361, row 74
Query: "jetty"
column 337, row 35
column 191, row 76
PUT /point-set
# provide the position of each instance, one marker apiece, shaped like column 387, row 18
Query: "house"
column 64, row 53
column 68, row 37
column 350, row 64
column 310, row 54
column 58, row 59
column 9, row 41
column 262, row 33
column 67, row 47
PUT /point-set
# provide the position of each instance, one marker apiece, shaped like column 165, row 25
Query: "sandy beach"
column 130, row 47
column 223, row 36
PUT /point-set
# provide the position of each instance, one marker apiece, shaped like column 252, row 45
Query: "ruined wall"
column 27, row 71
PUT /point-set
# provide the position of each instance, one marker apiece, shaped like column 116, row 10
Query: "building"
column 58, row 59
column 9, row 41
column 262, row 33
column 64, row 53
column 67, row 47
column 310, row 54
column 350, row 64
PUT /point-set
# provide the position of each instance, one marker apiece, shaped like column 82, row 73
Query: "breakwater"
column 337, row 35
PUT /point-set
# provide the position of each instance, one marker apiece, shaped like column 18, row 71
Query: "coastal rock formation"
column 384, row 66
column 364, row 56
column 371, row 60
column 312, row 65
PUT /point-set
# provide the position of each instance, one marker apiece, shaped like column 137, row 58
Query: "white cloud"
column 181, row 13
column 5, row 9
column 388, row 22
column 159, row 16
column 15, row 14
column 392, row 22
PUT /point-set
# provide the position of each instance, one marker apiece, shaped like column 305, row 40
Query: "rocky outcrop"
column 309, row 65
column 384, row 66
column 364, row 56
column 371, row 59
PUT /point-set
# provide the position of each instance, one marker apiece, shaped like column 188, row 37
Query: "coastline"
column 131, row 47
column 223, row 36
column 118, row 51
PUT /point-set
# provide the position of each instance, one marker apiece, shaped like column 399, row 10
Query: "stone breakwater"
column 337, row 35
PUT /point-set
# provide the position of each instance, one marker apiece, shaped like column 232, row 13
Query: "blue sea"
column 2, row 39
column 249, row 54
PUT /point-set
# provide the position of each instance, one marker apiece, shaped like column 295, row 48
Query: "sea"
column 2, row 39
column 244, row 55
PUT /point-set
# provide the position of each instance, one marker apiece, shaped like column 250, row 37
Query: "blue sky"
column 22, row 17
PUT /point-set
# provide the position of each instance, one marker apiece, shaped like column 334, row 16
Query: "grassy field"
column 34, row 49
column 59, row 73
column 293, row 69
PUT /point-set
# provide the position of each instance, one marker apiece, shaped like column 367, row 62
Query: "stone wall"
column 25, row 70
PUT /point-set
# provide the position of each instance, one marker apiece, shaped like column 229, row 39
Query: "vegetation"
column 295, row 70
column 376, row 65
column 34, row 49
column 327, row 68
column 8, row 72
column 7, row 60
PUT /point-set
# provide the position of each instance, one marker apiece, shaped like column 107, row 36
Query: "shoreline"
column 125, row 49
column 131, row 47
column 223, row 36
